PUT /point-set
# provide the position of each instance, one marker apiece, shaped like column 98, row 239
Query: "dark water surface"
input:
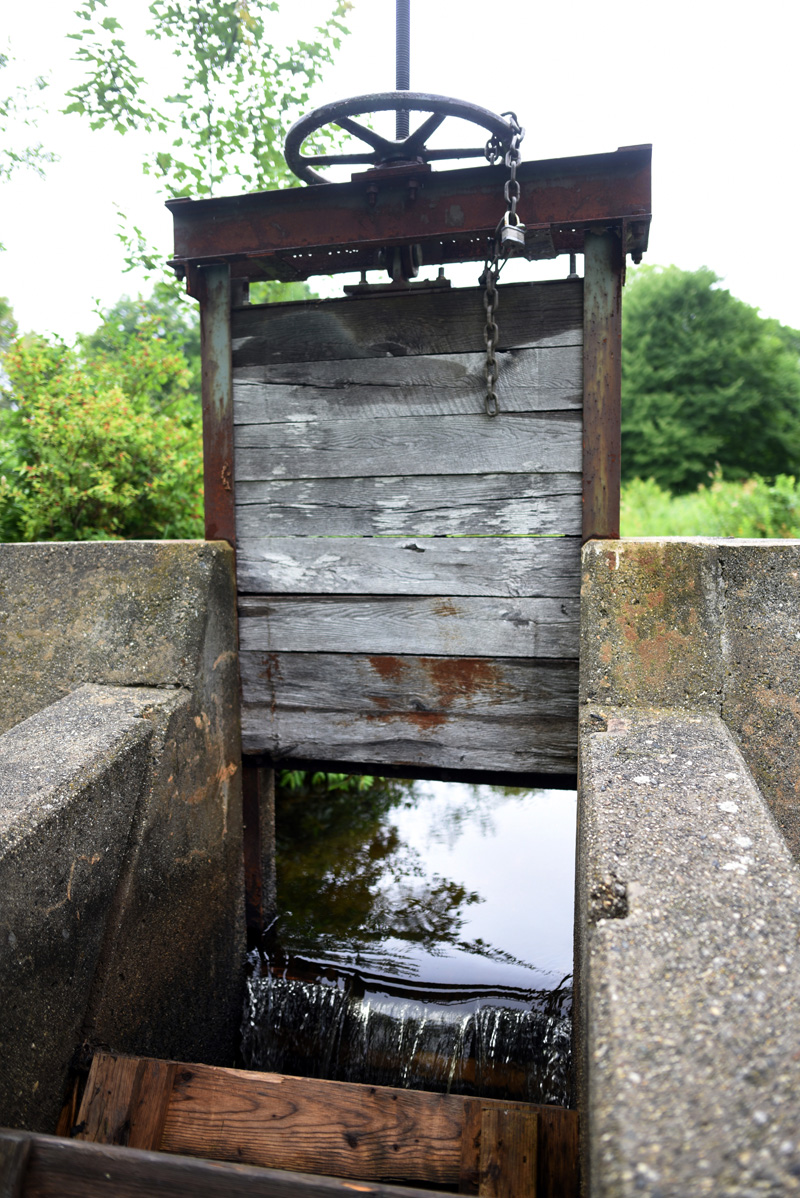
column 424, row 940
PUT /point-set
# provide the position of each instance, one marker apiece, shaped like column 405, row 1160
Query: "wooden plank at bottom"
column 307, row 1125
column 544, row 746
column 508, row 1153
column 59, row 1168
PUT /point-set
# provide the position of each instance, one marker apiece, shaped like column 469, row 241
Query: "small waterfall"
column 511, row 1046
column 424, row 941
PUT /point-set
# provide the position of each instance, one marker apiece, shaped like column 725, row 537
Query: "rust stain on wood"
column 389, row 668
column 461, row 677
column 272, row 676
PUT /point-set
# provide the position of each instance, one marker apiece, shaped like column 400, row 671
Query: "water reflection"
column 425, row 939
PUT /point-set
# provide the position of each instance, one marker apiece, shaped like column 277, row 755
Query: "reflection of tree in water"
column 474, row 806
column 346, row 878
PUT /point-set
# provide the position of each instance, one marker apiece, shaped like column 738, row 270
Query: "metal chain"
column 493, row 264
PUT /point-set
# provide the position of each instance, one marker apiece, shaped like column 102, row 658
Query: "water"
column 425, row 940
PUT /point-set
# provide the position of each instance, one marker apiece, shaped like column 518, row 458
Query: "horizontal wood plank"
column 375, row 685
column 448, row 504
column 451, row 713
column 379, row 326
column 529, row 380
column 449, row 627
column 305, row 1125
column 541, row 443
column 417, row 740
column 59, row 1168
column 511, row 567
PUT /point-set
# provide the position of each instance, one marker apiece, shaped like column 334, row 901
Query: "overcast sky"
column 713, row 86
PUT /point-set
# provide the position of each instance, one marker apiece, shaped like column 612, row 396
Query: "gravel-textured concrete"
column 71, row 778
column 703, row 624
column 689, row 963
column 162, row 615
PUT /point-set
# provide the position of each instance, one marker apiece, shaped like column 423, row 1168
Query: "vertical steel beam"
column 215, row 337
column 602, row 380
column 258, row 815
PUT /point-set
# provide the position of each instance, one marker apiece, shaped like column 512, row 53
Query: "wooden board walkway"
column 365, row 1134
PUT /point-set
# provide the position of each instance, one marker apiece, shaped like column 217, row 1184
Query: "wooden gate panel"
column 391, row 537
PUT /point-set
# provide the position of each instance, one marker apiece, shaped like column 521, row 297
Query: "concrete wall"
column 688, row 899
column 120, row 809
column 713, row 625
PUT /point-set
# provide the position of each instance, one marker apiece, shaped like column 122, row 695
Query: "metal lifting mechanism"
column 410, row 153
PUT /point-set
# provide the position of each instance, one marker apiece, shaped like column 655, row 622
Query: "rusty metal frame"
column 602, row 382
column 214, row 293
column 331, row 228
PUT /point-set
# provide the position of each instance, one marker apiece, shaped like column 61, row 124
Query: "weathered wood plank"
column 442, row 322
column 125, row 1101
column 462, row 626
column 376, row 388
column 542, row 443
column 349, row 1131
column 469, row 1171
column 508, row 1153
column 448, row 504
column 511, row 567
column 68, row 1169
column 559, row 1173
column 418, row 740
column 354, row 1131
column 374, row 685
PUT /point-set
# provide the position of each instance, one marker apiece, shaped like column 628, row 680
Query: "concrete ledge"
column 688, row 919
column 71, row 778
column 703, row 623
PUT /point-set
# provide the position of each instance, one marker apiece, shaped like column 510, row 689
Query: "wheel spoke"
column 417, row 139
column 368, row 135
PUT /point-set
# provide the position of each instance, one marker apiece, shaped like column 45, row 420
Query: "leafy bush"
column 753, row 508
column 100, row 440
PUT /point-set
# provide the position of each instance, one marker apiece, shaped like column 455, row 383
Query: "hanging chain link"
column 493, row 264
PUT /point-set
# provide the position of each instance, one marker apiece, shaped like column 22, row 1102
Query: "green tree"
column 18, row 110
column 706, row 382
column 100, row 440
column 218, row 122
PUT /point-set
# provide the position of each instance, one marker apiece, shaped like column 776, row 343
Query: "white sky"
column 713, row 86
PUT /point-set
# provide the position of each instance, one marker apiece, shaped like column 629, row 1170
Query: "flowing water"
column 424, row 940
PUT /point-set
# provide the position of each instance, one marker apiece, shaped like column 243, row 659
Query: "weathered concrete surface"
column 71, row 778
column 161, row 615
column 703, row 624
column 125, row 613
column 689, row 962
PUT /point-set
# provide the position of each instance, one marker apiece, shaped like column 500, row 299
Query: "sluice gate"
column 407, row 565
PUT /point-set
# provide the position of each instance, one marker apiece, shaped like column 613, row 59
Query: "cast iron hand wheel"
column 384, row 151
